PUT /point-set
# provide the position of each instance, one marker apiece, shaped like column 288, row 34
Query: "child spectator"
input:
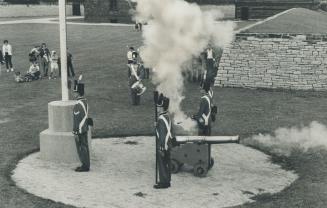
column 18, row 77
column 53, row 65
column 7, row 53
column 34, row 54
column 34, row 71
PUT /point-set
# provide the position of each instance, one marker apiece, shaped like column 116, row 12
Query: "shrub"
column 323, row 5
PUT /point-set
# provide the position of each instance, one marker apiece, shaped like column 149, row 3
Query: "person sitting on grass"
column 34, row 71
column 18, row 77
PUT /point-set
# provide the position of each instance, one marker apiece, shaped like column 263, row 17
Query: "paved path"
column 54, row 20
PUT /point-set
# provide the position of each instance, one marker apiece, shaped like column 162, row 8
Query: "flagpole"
column 63, row 50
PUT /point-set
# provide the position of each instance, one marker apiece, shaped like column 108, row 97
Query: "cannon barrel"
column 208, row 139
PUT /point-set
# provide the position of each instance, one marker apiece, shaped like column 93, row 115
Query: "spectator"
column 45, row 58
column 34, row 54
column 53, row 65
column 70, row 68
column 7, row 53
column 210, row 64
column 138, row 26
column 18, row 77
column 34, row 71
column 1, row 60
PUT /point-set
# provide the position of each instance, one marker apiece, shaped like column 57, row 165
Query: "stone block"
column 58, row 143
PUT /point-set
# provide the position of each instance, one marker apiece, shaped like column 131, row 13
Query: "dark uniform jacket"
column 80, row 116
column 137, row 72
column 164, row 132
column 1, row 57
column 44, row 52
column 204, row 114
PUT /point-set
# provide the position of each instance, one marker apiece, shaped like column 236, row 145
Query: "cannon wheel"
column 175, row 166
column 200, row 170
column 212, row 162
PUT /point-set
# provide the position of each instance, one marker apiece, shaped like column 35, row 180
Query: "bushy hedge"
column 215, row 2
column 38, row 1
column 323, row 5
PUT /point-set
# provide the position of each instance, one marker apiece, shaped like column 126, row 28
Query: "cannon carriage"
column 195, row 151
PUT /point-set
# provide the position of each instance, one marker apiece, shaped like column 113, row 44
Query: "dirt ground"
column 99, row 53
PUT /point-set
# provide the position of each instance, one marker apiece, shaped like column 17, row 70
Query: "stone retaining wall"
column 275, row 61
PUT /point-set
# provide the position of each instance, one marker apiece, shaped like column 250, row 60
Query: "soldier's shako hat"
column 78, row 87
column 160, row 100
column 165, row 104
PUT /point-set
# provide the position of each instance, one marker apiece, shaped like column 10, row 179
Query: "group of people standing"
column 41, row 62
column 45, row 60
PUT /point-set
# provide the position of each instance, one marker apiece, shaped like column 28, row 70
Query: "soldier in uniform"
column 135, row 83
column 80, row 127
column 164, row 136
column 204, row 115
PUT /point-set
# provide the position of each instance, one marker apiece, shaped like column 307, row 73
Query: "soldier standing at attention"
column 135, row 82
column 164, row 138
column 204, row 117
column 80, row 127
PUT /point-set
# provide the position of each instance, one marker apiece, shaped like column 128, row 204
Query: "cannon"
column 196, row 152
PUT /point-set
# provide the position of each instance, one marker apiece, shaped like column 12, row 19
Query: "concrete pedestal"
column 57, row 143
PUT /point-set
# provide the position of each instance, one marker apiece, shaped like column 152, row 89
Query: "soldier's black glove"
column 174, row 142
column 90, row 122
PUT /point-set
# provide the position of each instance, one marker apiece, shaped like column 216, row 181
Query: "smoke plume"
column 176, row 31
column 286, row 140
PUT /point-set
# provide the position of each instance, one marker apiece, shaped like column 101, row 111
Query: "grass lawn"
column 99, row 53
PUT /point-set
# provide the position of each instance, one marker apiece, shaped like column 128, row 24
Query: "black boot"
column 161, row 185
column 82, row 169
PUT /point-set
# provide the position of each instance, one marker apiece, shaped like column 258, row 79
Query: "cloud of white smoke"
column 285, row 140
column 176, row 31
